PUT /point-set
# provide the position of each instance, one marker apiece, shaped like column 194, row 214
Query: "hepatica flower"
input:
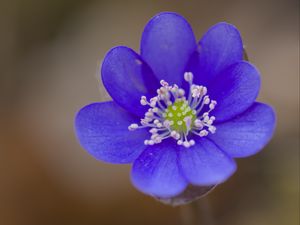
column 182, row 110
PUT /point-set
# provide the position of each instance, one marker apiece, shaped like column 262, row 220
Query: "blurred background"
column 51, row 51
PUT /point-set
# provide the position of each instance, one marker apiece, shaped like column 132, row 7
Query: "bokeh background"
column 51, row 51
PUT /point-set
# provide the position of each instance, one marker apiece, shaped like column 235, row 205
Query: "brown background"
column 50, row 53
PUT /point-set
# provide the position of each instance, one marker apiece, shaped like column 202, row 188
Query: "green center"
column 177, row 112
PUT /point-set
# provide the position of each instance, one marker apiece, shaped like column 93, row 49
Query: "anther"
column 133, row 126
column 153, row 130
column 188, row 76
column 192, row 142
column 212, row 129
column 186, row 144
column 203, row 133
column 179, row 142
column 206, row 100
column 143, row 100
column 164, row 83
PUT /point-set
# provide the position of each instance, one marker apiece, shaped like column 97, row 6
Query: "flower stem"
column 197, row 213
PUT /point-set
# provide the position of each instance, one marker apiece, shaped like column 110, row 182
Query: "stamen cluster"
column 171, row 114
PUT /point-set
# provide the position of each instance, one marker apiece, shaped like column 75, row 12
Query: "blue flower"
column 181, row 110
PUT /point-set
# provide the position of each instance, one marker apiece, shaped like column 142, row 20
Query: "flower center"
column 172, row 115
column 176, row 114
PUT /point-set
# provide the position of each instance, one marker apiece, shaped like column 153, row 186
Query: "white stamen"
column 179, row 142
column 164, row 83
column 133, row 126
column 181, row 92
column 149, row 114
column 153, row 101
column 155, row 110
column 150, row 142
column 153, row 130
column 188, row 76
column 192, row 142
column 212, row 104
column 143, row 100
column 170, row 106
column 197, row 91
column 203, row 133
column 175, row 135
column 186, row 144
column 198, row 123
column 212, row 129
column 206, row 100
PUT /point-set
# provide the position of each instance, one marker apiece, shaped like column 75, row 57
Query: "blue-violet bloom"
column 181, row 110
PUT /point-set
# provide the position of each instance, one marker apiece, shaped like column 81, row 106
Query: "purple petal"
column 235, row 89
column 127, row 77
column 156, row 172
column 102, row 129
column 205, row 164
column 248, row 133
column 167, row 43
column 220, row 47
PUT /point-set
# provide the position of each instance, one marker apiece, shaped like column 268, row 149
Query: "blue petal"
column 102, row 129
column 235, row 89
column 156, row 172
column 205, row 164
column 248, row 133
column 167, row 43
column 127, row 77
column 220, row 47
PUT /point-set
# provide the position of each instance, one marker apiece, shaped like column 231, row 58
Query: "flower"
column 181, row 111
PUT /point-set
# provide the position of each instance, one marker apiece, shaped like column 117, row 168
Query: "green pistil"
column 177, row 112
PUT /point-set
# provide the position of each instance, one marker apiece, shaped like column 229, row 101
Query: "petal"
column 248, row 133
column 220, row 47
column 127, row 77
column 166, row 45
column 102, row 129
column 205, row 164
column 235, row 89
column 156, row 172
